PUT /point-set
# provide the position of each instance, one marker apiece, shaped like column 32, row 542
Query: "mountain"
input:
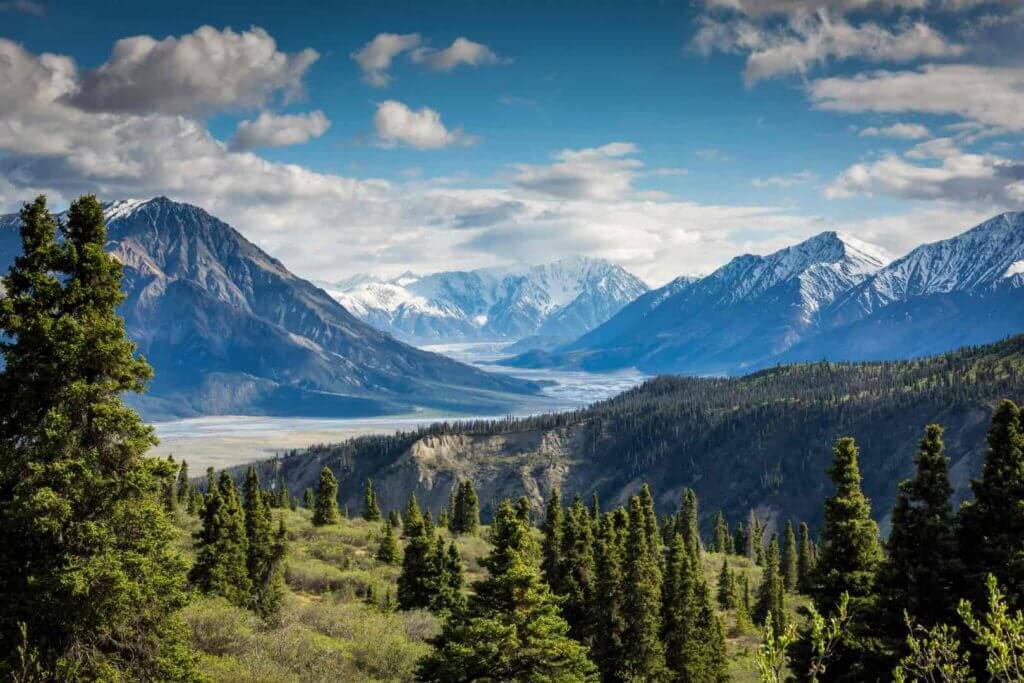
column 539, row 305
column 749, row 310
column 959, row 291
column 761, row 441
column 229, row 330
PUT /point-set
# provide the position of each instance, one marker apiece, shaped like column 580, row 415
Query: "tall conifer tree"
column 325, row 501
column 643, row 656
column 371, row 511
column 790, row 560
column 221, row 566
column 551, row 545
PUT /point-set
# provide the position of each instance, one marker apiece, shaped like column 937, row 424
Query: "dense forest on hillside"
column 759, row 441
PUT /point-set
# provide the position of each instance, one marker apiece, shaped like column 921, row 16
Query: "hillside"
column 230, row 330
column 761, row 441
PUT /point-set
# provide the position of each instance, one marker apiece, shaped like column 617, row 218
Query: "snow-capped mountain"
column 556, row 301
column 750, row 309
column 229, row 330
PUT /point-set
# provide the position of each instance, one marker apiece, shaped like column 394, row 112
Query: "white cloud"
column 713, row 154
column 937, row 148
column 461, row 51
column 24, row 6
column 202, row 71
column 272, row 130
column 376, row 56
column 787, row 180
column 810, row 40
column 398, row 124
column 768, row 8
column 905, row 131
column 598, row 173
column 983, row 94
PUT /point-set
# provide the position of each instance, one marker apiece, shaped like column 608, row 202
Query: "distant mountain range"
column 229, row 330
column 537, row 306
column 830, row 297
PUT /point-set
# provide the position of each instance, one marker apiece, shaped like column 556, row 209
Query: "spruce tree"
column 643, row 656
column 170, row 495
column 466, row 517
column 805, row 559
column 221, row 566
column 740, row 539
column 412, row 519
column 688, row 524
column 420, row 581
column 707, row 661
column 651, row 530
column 511, row 629
column 308, row 499
column 752, row 538
column 722, row 535
column 992, row 525
column 790, row 560
column 88, row 562
column 183, row 486
column 577, row 573
column 606, row 607
column 195, row 500
column 387, row 550
column 771, row 594
column 551, row 545
column 726, row 586
column 371, row 511
column 325, row 502
column 265, row 551
column 395, row 519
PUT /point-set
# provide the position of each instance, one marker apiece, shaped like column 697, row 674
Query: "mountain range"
column 229, row 330
column 536, row 306
column 830, row 297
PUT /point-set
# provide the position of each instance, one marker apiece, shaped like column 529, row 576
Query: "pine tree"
column 790, row 560
column 726, row 586
column 805, row 559
column 992, row 525
column 466, row 517
column 577, row 572
column 420, row 581
column 170, row 495
column 387, row 550
column 687, row 523
column 722, row 535
column 412, row 520
column 752, row 538
column 222, row 547
column 740, row 540
column 325, row 501
column 282, row 497
column 511, row 629
column 708, row 659
column 308, row 499
column 395, row 519
column 195, row 500
column 643, row 657
column 183, row 485
column 265, row 551
column 606, row 607
column 88, row 564
column 677, row 607
column 371, row 511
column 651, row 530
column 551, row 545
column 771, row 595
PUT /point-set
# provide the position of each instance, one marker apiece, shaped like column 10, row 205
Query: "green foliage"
column 551, row 545
column 221, row 566
column 726, row 586
column 643, row 656
column 371, row 511
column 770, row 657
column 688, row 523
column 388, row 551
column 466, row 511
column 606, row 610
column 722, row 536
column 771, row 595
column 412, row 518
column 805, row 559
column 88, row 566
column 790, row 560
column 325, row 502
column 182, row 487
column 1000, row 632
column 933, row 654
column 992, row 525
column 308, row 499
column 511, row 629
column 265, row 551
column 577, row 571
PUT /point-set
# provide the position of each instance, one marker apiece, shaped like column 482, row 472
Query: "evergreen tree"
column 771, row 594
column 308, row 499
column 805, row 559
column 195, row 500
column 282, row 498
column 643, row 656
column 606, row 608
column 790, row 560
column 752, row 538
column 726, row 586
column 395, row 519
column 551, row 545
column 651, row 530
column 707, row 663
column 420, row 581
column 88, row 564
column 183, row 487
column 170, row 495
column 466, row 516
column 577, row 573
column 412, row 520
column 222, row 547
column 371, row 511
column 687, row 523
column 387, row 550
column 511, row 629
column 918, row 575
column 325, row 502
column 722, row 535
column 992, row 525
column 740, row 540
column 265, row 552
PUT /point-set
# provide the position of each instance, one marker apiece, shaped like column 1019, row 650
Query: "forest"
column 120, row 567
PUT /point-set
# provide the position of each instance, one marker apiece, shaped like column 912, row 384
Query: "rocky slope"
column 229, row 330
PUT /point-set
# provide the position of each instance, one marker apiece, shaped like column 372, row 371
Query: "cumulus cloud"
column 272, row 130
column 461, row 51
column 769, row 8
column 809, row 40
column 601, row 173
column 397, row 124
column 376, row 56
column 982, row 94
column 904, row 131
column 206, row 70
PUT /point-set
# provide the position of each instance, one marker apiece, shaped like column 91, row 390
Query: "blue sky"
column 666, row 136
